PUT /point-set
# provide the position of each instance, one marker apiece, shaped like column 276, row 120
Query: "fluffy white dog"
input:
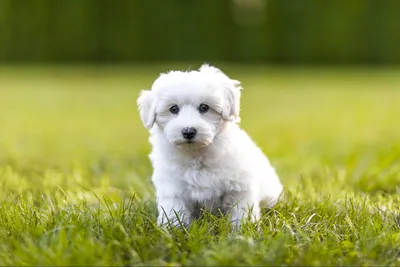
column 201, row 157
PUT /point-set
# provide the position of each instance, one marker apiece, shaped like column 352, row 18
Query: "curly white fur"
column 221, row 169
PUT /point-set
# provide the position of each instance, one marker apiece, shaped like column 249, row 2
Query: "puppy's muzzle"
column 189, row 132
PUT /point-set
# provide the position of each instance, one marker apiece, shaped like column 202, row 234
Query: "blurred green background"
column 262, row 31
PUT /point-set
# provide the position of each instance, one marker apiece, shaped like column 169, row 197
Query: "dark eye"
column 174, row 109
column 203, row 108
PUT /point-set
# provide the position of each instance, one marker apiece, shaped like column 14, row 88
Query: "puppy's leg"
column 242, row 205
column 173, row 210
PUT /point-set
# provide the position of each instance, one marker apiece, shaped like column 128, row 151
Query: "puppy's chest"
column 204, row 180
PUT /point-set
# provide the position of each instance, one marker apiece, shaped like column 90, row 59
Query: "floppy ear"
column 146, row 104
column 231, row 109
column 232, row 89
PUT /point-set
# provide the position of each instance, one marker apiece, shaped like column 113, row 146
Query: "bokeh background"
column 251, row 31
column 320, row 80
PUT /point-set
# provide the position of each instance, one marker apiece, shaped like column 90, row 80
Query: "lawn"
column 75, row 183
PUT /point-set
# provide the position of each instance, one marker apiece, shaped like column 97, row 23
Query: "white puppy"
column 201, row 157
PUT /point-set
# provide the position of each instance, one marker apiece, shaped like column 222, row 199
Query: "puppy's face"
column 190, row 114
column 191, row 107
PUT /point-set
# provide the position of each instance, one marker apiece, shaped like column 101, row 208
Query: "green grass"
column 75, row 183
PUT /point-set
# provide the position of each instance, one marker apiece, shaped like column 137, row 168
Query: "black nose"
column 189, row 132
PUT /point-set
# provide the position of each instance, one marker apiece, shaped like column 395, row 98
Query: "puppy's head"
column 191, row 107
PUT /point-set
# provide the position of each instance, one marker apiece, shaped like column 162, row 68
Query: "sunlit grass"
column 75, row 183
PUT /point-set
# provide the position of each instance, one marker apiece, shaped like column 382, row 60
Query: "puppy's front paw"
column 236, row 224
column 173, row 211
